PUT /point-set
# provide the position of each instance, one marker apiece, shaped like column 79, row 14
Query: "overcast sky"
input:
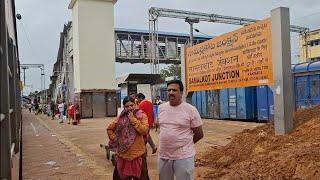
column 43, row 20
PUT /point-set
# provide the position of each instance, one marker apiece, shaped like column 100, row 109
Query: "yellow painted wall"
column 308, row 51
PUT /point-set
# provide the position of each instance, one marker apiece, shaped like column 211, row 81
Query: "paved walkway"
column 78, row 146
column 46, row 157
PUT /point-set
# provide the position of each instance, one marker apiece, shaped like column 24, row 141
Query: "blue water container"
column 271, row 103
column 216, row 104
column 199, row 102
column 194, row 99
column 302, row 85
column 224, row 103
column 233, row 103
column 204, row 111
column 210, row 103
column 246, row 103
column 264, row 103
column 315, row 89
column 302, row 92
column 314, row 70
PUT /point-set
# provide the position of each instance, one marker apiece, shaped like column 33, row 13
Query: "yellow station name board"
column 236, row 59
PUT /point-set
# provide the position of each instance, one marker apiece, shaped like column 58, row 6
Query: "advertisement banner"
column 236, row 59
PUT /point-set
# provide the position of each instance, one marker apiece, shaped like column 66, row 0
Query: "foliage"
column 33, row 93
column 171, row 71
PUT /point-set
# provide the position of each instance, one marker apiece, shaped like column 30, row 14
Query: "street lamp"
column 197, row 30
column 44, row 85
column 18, row 16
column 191, row 21
column 24, row 78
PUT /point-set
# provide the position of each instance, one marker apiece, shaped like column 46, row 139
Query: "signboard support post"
column 281, row 60
column 186, row 96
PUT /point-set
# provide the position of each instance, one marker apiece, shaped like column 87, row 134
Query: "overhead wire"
column 309, row 15
column 28, row 39
column 33, row 55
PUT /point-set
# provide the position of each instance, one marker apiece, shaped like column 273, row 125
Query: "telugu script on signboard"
column 236, row 59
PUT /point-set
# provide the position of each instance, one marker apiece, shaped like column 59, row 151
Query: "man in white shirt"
column 180, row 128
column 61, row 109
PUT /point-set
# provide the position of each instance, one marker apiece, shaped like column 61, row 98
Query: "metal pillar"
column 281, row 61
column 43, row 84
column 183, row 73
column 41, row 67
column 24, row 79
column 153, row 36
column 191, row 21
column 24, row 75
column 45, row 90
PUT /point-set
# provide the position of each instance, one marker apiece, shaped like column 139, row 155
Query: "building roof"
column 139, row 79
column 315, row 30
column 173, row 34
column 73, row 2
column 306, row 67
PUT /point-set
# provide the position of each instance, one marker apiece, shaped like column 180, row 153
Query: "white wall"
column 145, row 89
column 123, row 92
column 75, row 42
column 96, row 44
column 70, row 64
column 93, row 44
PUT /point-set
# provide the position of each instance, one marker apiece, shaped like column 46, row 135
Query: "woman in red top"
column 147, row 107
column 70, row 111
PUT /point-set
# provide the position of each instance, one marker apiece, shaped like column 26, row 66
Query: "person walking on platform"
column 134, row 96
column 158, row 101
column 29, row 105
column 156, row 104
column 147, row 107
column 61, row 109
column 180, row 128
column 126, row 139
column 52, row 110
column 36, row 107
column 70, row 113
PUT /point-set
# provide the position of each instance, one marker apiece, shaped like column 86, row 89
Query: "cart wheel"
column 108, row 153
column 113, row 159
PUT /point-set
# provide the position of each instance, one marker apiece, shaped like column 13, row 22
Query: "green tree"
column 33, row 93
column 172, row 70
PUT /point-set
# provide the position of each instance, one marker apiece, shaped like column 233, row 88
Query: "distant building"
column 62, row 85
column 84, row 71
column 138, row 83
column 309, row 45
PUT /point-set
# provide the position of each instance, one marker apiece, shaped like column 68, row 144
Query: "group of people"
column 180, row 128
column 36, row 107
column 61, row 110
column 65, row 111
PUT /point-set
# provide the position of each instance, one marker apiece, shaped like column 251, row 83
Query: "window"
column 315, row 42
